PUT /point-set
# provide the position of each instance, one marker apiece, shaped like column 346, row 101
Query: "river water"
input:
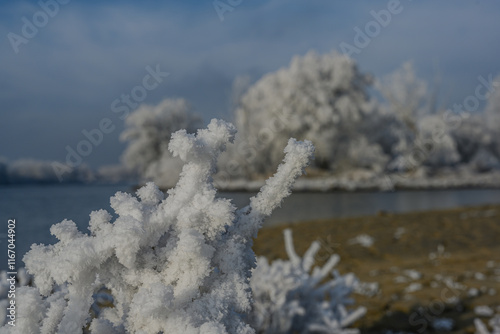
column 36, row 207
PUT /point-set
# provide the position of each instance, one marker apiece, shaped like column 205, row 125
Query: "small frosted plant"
column 176, row 265
column 494, row 324
column 289, row 298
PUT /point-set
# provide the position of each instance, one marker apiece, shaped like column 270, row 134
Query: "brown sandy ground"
column 455, row 253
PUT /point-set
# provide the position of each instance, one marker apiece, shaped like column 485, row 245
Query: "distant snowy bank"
column 31, row 171
column 365, row 181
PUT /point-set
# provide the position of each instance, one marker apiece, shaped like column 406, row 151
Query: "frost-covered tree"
column 289, row 298
column 415, row 131
column 148, row 132
column 176, row 265
column 493, row 117
column 321, row 98
column 406, row 100
column 406, row 96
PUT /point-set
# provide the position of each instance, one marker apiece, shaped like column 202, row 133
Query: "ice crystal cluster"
column 289, row 298
column 179, row 264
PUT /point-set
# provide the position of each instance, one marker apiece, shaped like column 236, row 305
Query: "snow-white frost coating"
column 289, row 298
column 176, row 265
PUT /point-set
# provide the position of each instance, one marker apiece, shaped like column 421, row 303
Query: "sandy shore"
column 429, row 265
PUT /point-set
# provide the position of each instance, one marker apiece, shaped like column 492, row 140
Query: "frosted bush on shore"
column 149, row 130
column 289, row 298
column 175, row 265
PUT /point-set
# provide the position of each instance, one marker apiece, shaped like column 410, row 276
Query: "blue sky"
column 64, row 79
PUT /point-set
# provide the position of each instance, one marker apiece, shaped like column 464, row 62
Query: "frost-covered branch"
column 175, row 265
column 250, row 218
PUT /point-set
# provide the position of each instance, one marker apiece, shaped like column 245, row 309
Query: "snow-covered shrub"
column 176, row 265
column 494, row 324
column 148, row 132
column 321, row 98
column 289, row 298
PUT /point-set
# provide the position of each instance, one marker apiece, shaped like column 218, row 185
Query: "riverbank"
column 366, row 180
column 429, row 266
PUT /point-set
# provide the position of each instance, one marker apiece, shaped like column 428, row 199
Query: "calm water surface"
column 36, row 208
